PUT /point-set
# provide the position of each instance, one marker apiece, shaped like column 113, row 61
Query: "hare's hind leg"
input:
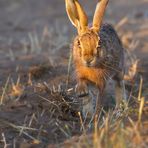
column 119, row 90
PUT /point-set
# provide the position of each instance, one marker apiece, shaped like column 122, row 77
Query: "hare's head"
column 87, row 39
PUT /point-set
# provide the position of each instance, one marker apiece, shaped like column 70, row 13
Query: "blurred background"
column 34, row 26
column 19, row 17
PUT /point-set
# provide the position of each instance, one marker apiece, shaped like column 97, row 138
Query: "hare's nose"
column 88, row 62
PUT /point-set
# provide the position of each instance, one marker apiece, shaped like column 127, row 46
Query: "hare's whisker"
column 111, row 67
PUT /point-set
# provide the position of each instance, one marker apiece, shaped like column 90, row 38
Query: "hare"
column 97, row 52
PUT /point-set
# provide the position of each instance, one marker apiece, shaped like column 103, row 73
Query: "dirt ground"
column 35, row 38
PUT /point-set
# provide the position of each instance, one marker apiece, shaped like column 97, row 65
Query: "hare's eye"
column 78, row 43
column 97, row 49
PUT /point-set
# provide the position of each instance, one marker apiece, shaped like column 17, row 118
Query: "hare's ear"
column 99, row 13
column 72, row 12
column 76, row 14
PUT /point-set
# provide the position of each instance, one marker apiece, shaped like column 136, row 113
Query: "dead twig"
column 4, row 90
column 4, row 140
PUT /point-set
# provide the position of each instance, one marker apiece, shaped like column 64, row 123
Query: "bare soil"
column 35, row 38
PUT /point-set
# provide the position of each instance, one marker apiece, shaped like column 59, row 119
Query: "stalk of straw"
column 4, row 91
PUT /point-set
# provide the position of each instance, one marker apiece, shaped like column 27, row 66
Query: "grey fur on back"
column 112, row 46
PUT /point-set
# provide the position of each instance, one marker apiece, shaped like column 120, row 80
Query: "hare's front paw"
column 81, row 90
column 85, row 99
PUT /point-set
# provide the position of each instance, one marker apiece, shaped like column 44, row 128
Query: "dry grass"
column 114, row 129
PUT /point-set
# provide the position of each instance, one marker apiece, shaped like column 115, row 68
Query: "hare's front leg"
column 86, row 98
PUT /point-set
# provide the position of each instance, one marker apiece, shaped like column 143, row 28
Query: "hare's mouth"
column 89, row 63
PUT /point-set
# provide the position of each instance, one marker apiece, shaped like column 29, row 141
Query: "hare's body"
column 97, row 53
column 107, row 66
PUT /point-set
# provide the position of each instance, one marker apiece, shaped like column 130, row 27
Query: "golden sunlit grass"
column 113, row 132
